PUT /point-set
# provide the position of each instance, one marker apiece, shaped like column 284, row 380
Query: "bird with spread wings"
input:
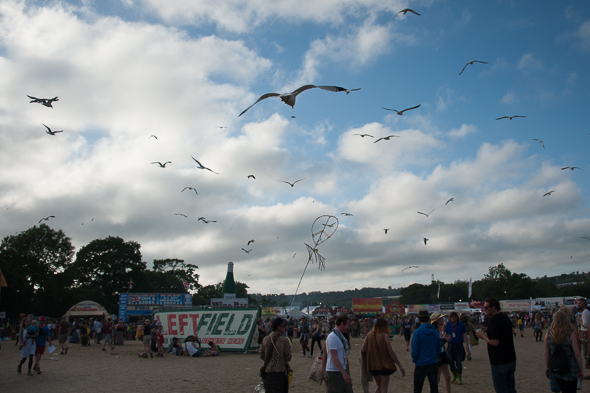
column 289, row 98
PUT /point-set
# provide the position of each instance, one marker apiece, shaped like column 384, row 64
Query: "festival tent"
column 87, row 309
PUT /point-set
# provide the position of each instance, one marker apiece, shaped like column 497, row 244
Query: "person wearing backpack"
column 562, row 355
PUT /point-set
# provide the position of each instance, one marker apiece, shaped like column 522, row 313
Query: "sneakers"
column 302, row 356
column 308, row 356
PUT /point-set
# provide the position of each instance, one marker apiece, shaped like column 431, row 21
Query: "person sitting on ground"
column 190, row 348
column 175, row 347
column 214, row 350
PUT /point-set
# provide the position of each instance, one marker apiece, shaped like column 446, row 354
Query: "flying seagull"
column 405, row 11
column 409, row 267
column 510, row 118
column 401, row 113
column 571, row 167
column 203, row 167
column 450, row 200
column 180, row 214
column 364, row 135
column 585, row 237
column 426, row 214
column 289, row 98
column 540, row 141
column 346, row 214
column 46, row 219
column 43, row 101
column 246, row 251
column 251, row 177
column 471, row 63
column 204, row 220
column 291, row 184
column 152, row 136
column 425, row 240
column 386, row 138
column 190, row 188
column 548, row 193
column 51, row 132
column 251, row 241
column 387, row 229
column 162, row 165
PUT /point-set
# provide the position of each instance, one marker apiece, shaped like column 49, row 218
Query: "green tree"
column 34, row 263
column 105, row 267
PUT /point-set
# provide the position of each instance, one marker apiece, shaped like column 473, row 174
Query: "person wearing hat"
column 41, row 342
column 425, row 352
column 276, row 353
column 437, row 320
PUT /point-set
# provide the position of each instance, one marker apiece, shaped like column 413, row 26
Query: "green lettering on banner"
column 245, row 324
column 227, row 331
column 212, row 323
column 203, row 322
column 220, row 323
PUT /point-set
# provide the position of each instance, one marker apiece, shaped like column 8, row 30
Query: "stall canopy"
column 87, row 309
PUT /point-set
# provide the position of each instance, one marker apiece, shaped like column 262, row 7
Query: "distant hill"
column 339, row 298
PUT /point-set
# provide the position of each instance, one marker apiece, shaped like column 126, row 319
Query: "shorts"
column 147, row 339
column 63, row 338
column 521, row 327
column 107, row 338
column 160, row 339
column 384, row 372
column 40, row 350
column 407, row 336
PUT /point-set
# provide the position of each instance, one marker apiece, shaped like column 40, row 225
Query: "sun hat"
column 435, row 316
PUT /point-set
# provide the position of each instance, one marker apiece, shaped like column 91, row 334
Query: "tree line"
column 46, row 277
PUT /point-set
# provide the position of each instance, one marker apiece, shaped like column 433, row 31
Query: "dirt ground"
column 90, row 369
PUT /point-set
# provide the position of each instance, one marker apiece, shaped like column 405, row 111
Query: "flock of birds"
column 289, row 99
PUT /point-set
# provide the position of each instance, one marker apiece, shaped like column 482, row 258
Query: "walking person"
column 381, row 359
column 406, row 331
column 26, row 337
column 147, row 338
column 501, row 351
column 456, row 353
column 337, row 370
column 304, row 338
column 160, row 339
column 561, row 334
column 538, row 328
column 437, row 320
column 276, row 353
column 426, row 346
column 316, row 336
column 63, row 333
column 41, row 342
column 108, row 328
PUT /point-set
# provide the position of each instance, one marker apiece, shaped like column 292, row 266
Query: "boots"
column 459, row 379
column 454, row 376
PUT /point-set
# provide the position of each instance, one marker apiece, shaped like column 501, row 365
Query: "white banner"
column 514, row 305
column 231, row 329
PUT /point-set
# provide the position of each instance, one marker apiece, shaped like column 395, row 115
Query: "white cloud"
column 583, row 35
column 509, row 97
column 244, row 15
column 465, row 129
column 528, row 62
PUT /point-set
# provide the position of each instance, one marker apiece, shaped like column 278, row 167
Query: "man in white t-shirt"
column 584, row 323
column 337, row 373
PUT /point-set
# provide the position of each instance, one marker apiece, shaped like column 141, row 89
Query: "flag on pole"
column 438, row 293
column 185, row 285
column 470, row 291
column 130, row 284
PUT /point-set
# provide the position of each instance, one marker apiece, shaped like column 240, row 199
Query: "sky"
column 184, row 70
